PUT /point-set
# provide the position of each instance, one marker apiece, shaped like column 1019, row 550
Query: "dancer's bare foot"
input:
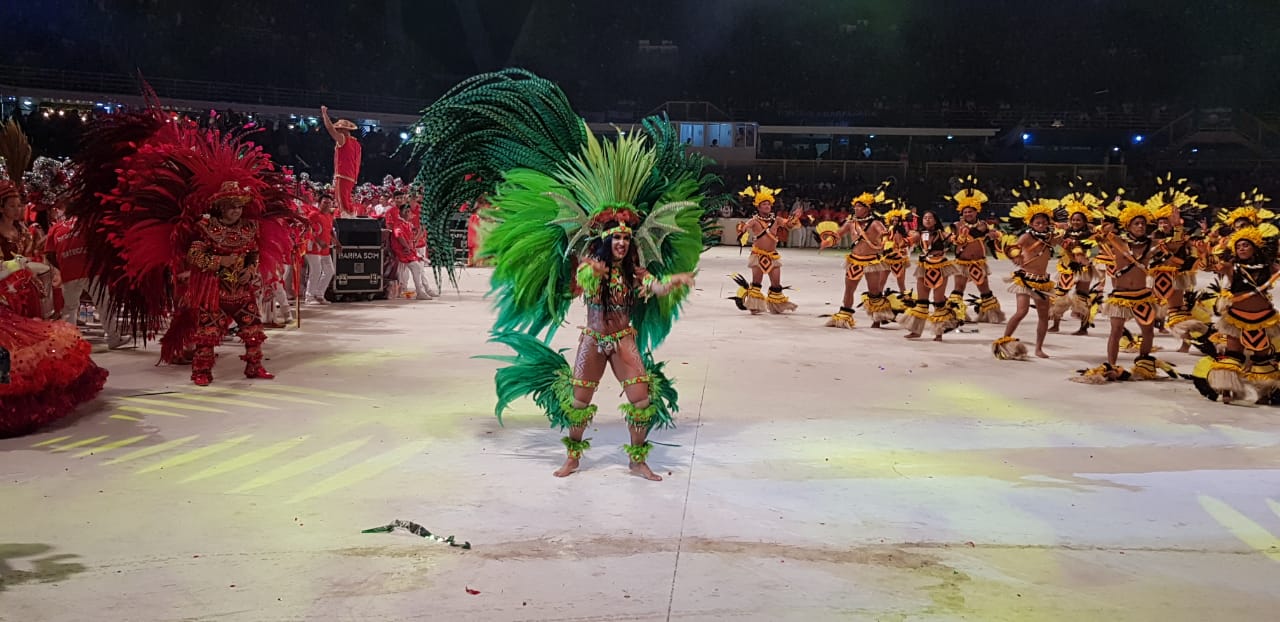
column 1186, row 347
column 1053, row 329
column 641, row 469
column 1041, row 354
column 911, row 336
column 937, row 338
column 570, row 466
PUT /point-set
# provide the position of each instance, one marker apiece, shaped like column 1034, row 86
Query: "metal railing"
column 1261, row 133
column 691, row 111
column 834, row 171
column 1109, row 175
column 803, row 171
column 1181, row 163
column 1173, row 132
column 981, row 117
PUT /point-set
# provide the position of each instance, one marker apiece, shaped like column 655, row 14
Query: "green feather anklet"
column 638, row 453
column 576, row 447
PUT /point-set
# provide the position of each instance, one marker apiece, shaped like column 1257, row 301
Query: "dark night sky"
column 817, row 53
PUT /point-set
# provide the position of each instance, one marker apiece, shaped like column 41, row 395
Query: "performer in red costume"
column 48, row 371
column 404, row 247
column 346, row 163
column 477, row 225
column 160, row 201
column 320, row 251
column 225, row 248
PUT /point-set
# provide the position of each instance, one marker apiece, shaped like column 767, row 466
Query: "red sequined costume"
column 50, row 372
column 216, row 245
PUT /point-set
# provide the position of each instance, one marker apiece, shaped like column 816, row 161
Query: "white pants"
column 320, row 272
column 71, row 291
column 414, row 269
column 267, row 306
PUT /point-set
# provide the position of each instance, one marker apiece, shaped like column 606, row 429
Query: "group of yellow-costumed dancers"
column 1147, row 253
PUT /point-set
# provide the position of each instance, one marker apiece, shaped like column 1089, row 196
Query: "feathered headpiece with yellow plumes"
column 1170, row 194
column 870, row 199
column 969, row 195
column 1080, row 200
column 1258, row 236
column 1031, row 205
column 1250, row 209
column 759, row 192
column 897, row 209
column 1124, row 211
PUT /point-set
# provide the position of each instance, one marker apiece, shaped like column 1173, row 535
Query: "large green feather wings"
column 478, row 131
column 532, row 280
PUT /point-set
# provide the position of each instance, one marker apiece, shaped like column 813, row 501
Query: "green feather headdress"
column 604, row 185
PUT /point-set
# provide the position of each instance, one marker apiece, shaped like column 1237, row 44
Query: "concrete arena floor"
column 816, row 474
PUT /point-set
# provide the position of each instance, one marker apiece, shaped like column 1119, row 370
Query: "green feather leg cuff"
column 638, row 453
column 588, row 280
column 576, row 447
column 578, row 417
column 639, row 417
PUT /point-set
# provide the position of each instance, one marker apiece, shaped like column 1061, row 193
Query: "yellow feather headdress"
column 1256, row 235
column 1250, row 209
column 1026, row 210
column 896, row 212
column 897, row 208
column 1031, row 205
column 760, row 193
column 969, row 195
column 1081, row 200
column 870, row 199
column 1125, row 211
column 1170, row 194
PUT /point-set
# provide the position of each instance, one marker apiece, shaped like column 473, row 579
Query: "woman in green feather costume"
column 617, row 222
column 610, row 281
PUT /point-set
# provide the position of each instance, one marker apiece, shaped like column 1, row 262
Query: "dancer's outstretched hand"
column 685, row 279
